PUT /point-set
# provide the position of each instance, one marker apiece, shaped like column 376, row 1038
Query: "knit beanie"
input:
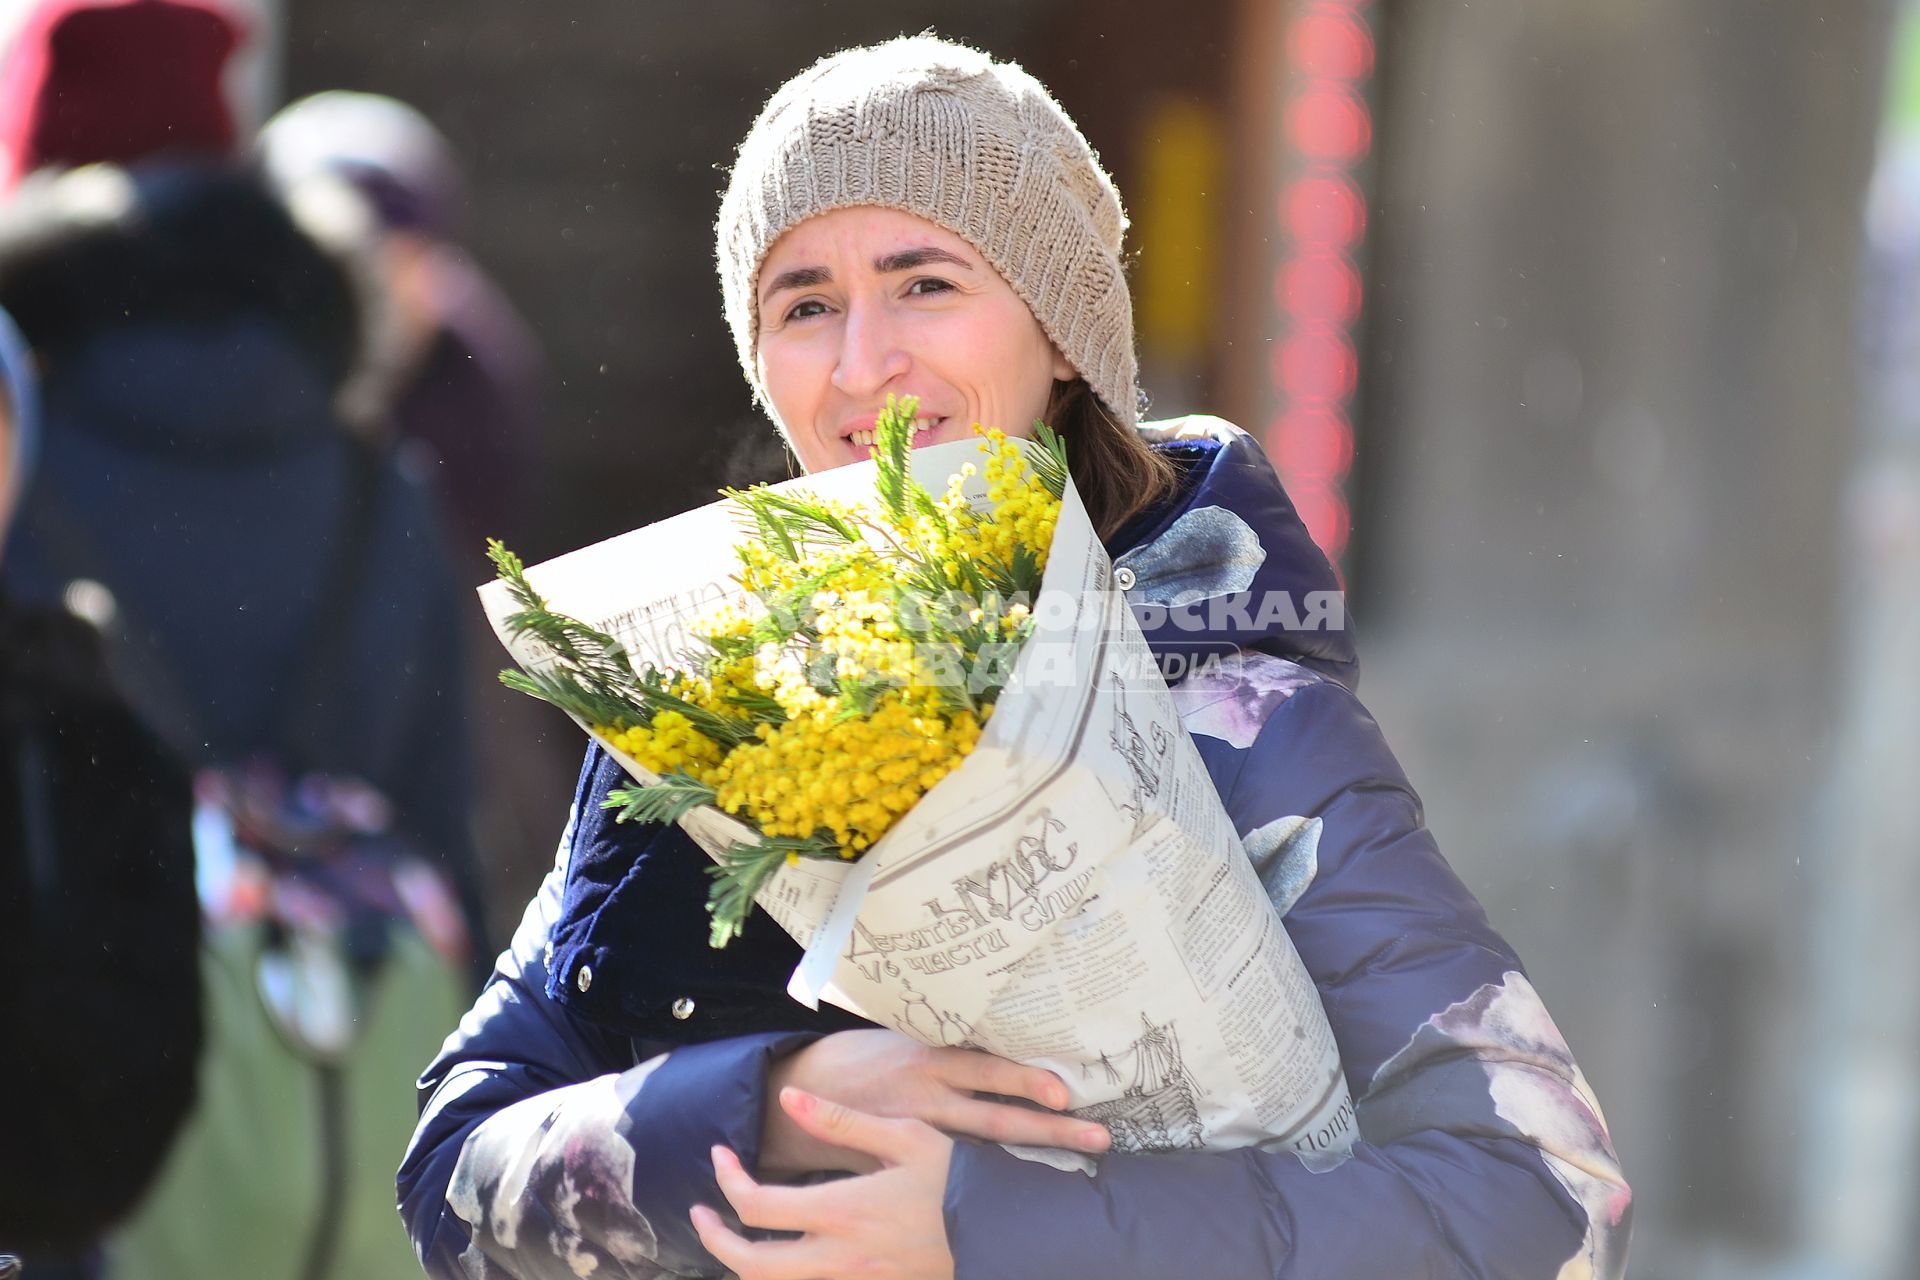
column 87, row 81
column 973, row 145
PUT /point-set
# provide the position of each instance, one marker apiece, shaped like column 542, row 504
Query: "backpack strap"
column 324, row 672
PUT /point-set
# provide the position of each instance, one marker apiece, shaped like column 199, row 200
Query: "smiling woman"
column 917, row 219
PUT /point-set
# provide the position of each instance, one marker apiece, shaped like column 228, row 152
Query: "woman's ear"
column 1062, row 371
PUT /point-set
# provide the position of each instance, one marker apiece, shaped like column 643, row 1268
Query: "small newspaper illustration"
column 1072, row 896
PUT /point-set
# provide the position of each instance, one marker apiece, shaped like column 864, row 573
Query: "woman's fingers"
column 774, row 1208
column 884, row 1074
column 762, row 1260
column 889, row 1141
column 971, row 1071
column 989, row 1073
column 1005, row 1122
column 887, row 1225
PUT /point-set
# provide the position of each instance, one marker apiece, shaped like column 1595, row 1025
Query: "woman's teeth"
column 864, row 439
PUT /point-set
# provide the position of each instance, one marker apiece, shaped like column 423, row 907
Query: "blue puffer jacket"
column 568, row 1120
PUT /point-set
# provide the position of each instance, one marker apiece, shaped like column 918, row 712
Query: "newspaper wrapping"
column 1072, row 896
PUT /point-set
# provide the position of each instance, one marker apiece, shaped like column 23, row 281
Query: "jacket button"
column 683, row 1008
column 1123, row 578
column 584, row 978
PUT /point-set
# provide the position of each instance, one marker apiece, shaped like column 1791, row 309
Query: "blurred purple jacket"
column 473, row 401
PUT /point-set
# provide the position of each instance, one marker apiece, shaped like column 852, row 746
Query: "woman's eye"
column 806, row 310
column 929, row 286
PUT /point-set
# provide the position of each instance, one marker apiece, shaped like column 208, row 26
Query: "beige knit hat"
column 973, row 145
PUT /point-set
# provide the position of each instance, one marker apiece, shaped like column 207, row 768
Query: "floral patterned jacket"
column 567, row 1121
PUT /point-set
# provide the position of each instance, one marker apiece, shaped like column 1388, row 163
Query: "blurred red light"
column 1320, row 287
column 1324, row 211
column 1327, row 43
column 1315, row 366
column 1325, row 514
column 1313, row 444
column 1327, row 122
column 1328, row 127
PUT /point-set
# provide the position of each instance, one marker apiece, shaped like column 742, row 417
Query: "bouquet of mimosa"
column 902, row 708
column 857, row 674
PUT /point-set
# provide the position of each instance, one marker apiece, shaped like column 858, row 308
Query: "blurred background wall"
column 1612, row 424
column 1548, row 311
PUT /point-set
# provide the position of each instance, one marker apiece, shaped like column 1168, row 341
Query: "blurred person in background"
column 457, row 370
column 453, row 380
column 193, row 339
column 100, row 994
column 230, row 333
column 280, row 609
column 915, row 218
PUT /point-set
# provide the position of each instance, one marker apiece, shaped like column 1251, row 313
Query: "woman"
column 914, row 218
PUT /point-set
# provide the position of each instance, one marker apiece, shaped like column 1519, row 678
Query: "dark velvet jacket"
column 100, row 1000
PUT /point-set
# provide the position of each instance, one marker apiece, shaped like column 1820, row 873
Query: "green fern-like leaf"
column 892, row 446
column 592, row 677
column 800, row 517
column 860, row 695
column 1025, row 572
column 760, row 522
column 743, row 871
column 929, row 510
column 1049, row 461
column 757, row 707
column 727, row 731
column 575, row 697
column 677, row 794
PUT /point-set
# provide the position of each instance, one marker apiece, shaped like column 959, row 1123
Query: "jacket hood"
column 227, row 392
column 390, row 152
column 1228, row 564
column 206, row 251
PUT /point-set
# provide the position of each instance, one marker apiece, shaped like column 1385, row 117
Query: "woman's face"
column 862, row 303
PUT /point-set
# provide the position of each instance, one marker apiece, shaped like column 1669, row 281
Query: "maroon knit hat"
column 115, row 80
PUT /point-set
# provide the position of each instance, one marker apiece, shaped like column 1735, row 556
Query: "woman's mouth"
column 864, row 439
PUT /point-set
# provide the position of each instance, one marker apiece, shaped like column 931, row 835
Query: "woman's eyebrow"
column 798, row 278
column 908, row 259
column 904, row 260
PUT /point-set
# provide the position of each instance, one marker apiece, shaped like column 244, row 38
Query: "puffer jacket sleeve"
column 1483, row 1152
column 549, row 1148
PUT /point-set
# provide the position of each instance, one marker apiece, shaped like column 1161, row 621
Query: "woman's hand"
column 886, row 1225
column 883, row 1073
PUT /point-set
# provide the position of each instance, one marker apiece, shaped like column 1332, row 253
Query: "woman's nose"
column 871, row 354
